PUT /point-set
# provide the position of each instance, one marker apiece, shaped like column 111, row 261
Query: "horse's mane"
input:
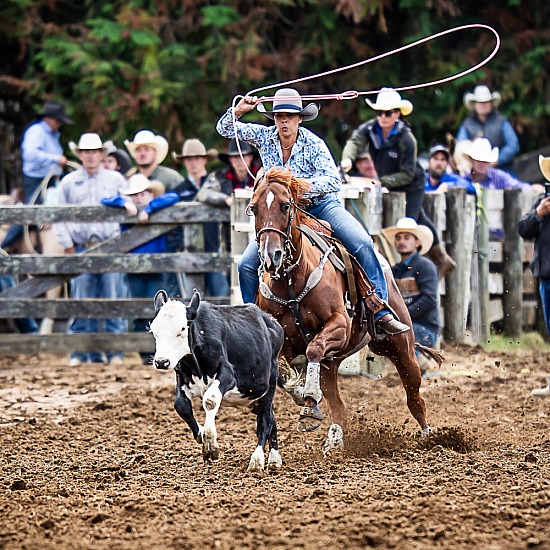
column 297, row 188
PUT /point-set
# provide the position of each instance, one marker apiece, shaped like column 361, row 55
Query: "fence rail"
column 493, row 281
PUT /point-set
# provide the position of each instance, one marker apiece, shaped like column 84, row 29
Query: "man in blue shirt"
column 42, row 155
column 486, row 121
column 437, row 177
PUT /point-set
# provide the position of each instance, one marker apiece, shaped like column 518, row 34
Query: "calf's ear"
column 193, row 306
column 160, row 299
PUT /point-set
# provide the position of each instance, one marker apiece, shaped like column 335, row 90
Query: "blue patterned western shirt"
column 309, row 159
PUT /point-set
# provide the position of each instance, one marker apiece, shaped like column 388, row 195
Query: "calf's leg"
column 184, row 408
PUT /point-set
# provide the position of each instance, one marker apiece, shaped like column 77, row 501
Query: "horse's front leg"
column 332, row 337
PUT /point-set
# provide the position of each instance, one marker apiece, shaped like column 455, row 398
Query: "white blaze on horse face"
column 269, row 199
column 170, row 330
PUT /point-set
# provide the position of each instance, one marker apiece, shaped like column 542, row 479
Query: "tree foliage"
column 174, row 66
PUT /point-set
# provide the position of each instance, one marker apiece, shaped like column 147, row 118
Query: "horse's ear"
column 160, row 299
column 259, row 176
column 193, row 307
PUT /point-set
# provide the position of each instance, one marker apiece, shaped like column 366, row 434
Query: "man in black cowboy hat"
column 42, row 155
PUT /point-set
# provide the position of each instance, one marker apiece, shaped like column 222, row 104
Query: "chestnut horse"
column 287, row 260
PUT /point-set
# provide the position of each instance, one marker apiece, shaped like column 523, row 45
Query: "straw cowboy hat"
column 55, row 110
column 389, row 99
column 409, row 225
column 194, row 148
column 480, row 149
column 139, row 183
column 481, row 94
column 148, row 139
column 232, row 151
column 88, row 142
column 288, row 100
column 544, row 163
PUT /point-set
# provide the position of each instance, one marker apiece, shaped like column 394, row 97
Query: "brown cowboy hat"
column 194, row 148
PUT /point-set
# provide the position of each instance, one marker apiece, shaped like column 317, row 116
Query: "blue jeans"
column 544, row 289
column 423, row 335
column 217, row 283
column 96, row 285
column 25, row 325
column 346, row 229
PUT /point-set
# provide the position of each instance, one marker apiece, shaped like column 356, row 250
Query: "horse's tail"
column 434, row 354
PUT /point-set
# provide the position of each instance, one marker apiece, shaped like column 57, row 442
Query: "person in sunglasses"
column 392, row 147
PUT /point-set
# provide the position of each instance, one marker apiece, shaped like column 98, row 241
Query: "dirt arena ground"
column 96, row 457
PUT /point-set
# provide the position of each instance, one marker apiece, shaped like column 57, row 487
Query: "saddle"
column 357, row 281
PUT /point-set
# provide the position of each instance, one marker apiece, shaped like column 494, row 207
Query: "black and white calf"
column 220, row 353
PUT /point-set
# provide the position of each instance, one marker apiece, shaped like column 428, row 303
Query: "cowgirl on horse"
column 288, row 145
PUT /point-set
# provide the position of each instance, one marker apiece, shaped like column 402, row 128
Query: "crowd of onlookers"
column 382, row 151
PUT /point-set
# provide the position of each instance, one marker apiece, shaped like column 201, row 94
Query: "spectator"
column 149, row 195
column 364, row 165
column 393, row 149
column 116, row 159
column 149, row 150
column 43, row 158
column 483, row 157
column 26, row 325
column 438, row 178
column 485, row 121
column 235, row 175
column 195, row 157
column 536, row 225
column 417, row 280
column 88, row 186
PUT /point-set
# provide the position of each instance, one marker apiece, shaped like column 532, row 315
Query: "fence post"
column 484, row 329
column 512, row 300
column 393, row 210
column 242, row 231
column 457, row 281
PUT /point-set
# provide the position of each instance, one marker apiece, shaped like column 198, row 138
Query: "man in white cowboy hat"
column 149, row 150
column 486, row 121
column 88, row 186
column 417, row 279
column 287, row 144
column 393, row 149
column 483, row 156
column 536, row 225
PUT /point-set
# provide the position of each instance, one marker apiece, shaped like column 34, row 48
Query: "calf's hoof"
column 274, row 459
column 310, row 418
column 257, row 461
column 210, row 449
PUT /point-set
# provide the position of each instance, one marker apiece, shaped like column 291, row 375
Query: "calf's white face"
column 170, row 329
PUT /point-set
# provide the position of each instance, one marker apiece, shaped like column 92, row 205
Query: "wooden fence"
column 492, row 282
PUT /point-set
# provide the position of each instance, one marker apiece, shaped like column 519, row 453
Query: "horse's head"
column 274, row 204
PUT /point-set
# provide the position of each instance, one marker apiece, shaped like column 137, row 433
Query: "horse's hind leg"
column 336, row 407
column 400, row 350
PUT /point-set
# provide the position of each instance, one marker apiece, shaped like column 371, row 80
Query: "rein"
column 293, row 303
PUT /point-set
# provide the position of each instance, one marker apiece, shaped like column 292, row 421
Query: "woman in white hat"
column 289, row 145
column 485, row 121
column 393, row 149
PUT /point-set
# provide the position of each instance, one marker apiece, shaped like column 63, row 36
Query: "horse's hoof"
column 310, row 418
column 426, row 432
column 335, row 439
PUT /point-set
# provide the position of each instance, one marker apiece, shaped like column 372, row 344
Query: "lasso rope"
column 353, row 94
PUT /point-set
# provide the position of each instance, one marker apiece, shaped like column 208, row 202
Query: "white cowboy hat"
column 389, row 99
column 194, row 148
column 544, row 164
column 480, row 149
column 409, row 225
column 288, row 100
column 481, row 94
column 149, row 139
column 139, row 183
column 88, row 142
